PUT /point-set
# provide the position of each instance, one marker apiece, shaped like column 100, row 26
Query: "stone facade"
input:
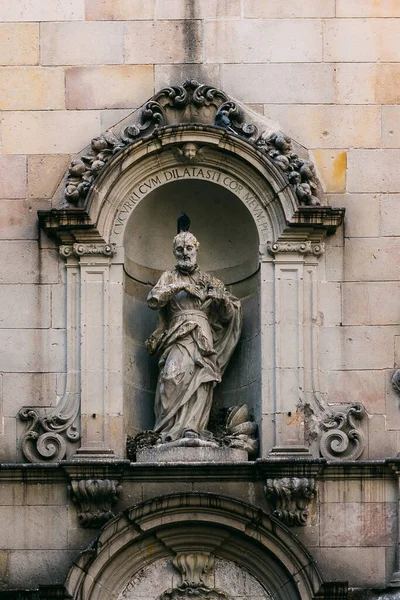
column 314, row 514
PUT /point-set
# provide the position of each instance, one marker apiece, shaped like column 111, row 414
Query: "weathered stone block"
column 368, row 83
column 392, row 405
column 329, row 303
column 268, row 9
column 111, row 117
column 331, row 165
column 293, row 83
column 122, row 86
column 45, row 173
column 12, row 493
column 367, row 8
column 19, row 219
column 45, row 85
column 42, row 10
column 372, row 262
column 28, row 389
column 48, row 132
column 334, row 263
column 344, row 348
column 390, row 126
column 53, row 565
column 330, row 126
column 164, row 75
column 372, row 303
column 357, row 524
column 390, row 215
column 24, row 263
column 69, row 43
column 355, row 83
column 31, row 527
column 19, row 43
column 228, row 41
column 361, row 40
column 381, row 442
column 33, row 304
column 373, row 170
column 8, row 441
column 201, row 9
column 119, row 10
column 360, row 566
column 42, row 494
column 32, row 350
column 362, row 213
column 367, row 387
column 149, row 42
column 13, row 177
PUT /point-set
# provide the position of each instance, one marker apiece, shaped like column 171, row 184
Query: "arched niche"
column 229, row 249
column 143, row 542
column 255, row 181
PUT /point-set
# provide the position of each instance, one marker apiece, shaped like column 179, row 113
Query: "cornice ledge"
column 327, row 218
column 244, row 471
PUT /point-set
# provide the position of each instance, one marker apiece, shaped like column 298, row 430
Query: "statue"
column 199, row 325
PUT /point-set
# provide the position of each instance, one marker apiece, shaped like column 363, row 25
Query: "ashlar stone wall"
column 327, row 72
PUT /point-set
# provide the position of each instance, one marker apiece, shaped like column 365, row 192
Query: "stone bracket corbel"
column 290, row 498
column 95, row 499
column 95, row 490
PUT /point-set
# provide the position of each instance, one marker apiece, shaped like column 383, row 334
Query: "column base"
column 94, row 453
column 290, row 451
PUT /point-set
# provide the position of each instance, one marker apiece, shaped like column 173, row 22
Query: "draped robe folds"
column 195, row 339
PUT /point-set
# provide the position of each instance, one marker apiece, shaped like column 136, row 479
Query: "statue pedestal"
column 185, row 454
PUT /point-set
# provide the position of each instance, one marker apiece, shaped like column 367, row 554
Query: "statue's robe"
column 195, row 339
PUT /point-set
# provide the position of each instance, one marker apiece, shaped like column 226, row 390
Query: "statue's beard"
column 186, row 266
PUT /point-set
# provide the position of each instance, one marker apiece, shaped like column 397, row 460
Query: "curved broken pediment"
column 190, row 103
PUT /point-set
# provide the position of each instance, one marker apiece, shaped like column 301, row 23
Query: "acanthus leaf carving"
column 193, row 568
column 290, row 498
column 343, row 438
column 94, row 499
column 186, row 100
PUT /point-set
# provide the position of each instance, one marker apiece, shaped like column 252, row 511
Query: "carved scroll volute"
column 343, row 438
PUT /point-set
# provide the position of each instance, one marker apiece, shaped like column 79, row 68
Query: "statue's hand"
column 215, row 293
column 194, row 290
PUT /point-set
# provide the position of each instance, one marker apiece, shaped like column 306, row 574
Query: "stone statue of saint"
column 199, row 325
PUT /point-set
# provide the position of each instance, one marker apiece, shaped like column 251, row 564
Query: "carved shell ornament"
column 84, row 170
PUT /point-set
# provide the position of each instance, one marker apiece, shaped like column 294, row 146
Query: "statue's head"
column 185, row 248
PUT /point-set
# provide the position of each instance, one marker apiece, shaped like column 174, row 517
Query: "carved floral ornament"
column 190, row 97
